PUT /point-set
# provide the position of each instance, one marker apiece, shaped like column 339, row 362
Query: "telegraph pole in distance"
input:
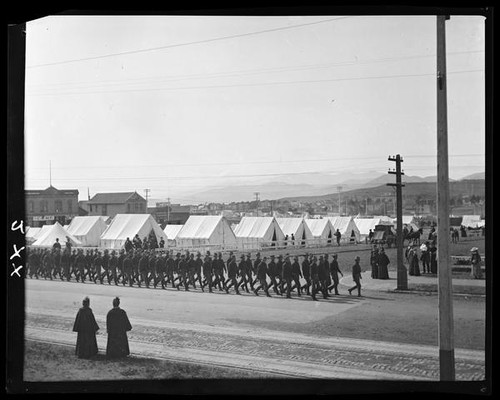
column 445, row 289
column 147, row 193
column 402, row 283
column 257, row 202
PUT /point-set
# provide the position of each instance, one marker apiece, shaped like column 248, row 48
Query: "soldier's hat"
column 242, row 256
column 335, row 255
column 198, row 254
column 280, row 256
column 357, row 258
column 208, row 253
column 272, row 255
column 258, row 254
column 178, row 254
column 249, row 255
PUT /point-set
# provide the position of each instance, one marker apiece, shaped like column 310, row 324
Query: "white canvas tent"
column 296, row 227
column 409, row 222
column 346, row 226
column 87, row 230
column 171, row 232
column 206, row 232
column 31, row 233
column 321, row 229
column 126, row 226
column 255, row 232
column 53, row 232
column 472, row 221
column 365, row 224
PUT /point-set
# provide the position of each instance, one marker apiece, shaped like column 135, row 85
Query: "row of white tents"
column 205, row 232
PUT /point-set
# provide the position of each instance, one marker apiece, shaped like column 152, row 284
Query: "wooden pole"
column 445, row 289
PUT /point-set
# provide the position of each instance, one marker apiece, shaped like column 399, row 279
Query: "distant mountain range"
column 304, row 185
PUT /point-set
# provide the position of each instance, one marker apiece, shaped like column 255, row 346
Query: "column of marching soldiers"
column 150, row 268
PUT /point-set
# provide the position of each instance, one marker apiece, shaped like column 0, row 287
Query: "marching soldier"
column 262, row 277
column 105, row 266
column 208, row 271
column 287, row 276
column 323, row 272
column 98, row 267
column 242, row 271
column 183, row 273
column 232, row 272
column 273, row 274
column 191, row 270
column 314, row 278
column 120, row 267
column 296, row 274
column 66, row 264
column 81, row 266
column 255, row 267
column 144, row 269
column 306, row 271
column 161, row 270
column 128, row 269
column 334, row 272
column 112, row 268
column 136, row 271
column 198, row 262
column 250, row 271
column 356, row 276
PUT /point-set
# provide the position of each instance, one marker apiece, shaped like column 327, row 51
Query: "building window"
column 58, row 206
column 70, row 206
column 44, row 206
column 90, row 207
column 136, row 206
column 31, row 206
column 104, row 209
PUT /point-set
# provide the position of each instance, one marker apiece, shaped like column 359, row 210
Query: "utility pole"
column 445, row 290
column 257, row 202
column 147, row 193
column 339, row 188
column 402, row 277
column 50, row 173
column 168, row 210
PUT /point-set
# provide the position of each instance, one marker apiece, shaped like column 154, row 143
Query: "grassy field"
column 49, row 362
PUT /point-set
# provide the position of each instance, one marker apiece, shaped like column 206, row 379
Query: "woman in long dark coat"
column 383, row 262
column 117, row 324
column 86, row 326
column 414, row 265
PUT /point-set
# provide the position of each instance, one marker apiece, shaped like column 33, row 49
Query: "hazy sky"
column 176, row 104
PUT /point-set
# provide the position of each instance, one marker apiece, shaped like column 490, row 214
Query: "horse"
column 413, row 237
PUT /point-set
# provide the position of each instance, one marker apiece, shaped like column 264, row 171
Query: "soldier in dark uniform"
column 129, row 246
column 98, row 267
column 262, row 277
column 334, row 272
column 279, row 274
column 242, row 272
column 68, row 245
column 81, row 266
column 172, row 269
column 208, row 271
column 272, row 271
column 287, row 276
column 306, row 271
column 314, row 278
column 328, row 280
column 198, row 262
column 88, row 264
column 72, row 262
column 33, row 262
column 323, row 272
column 183, row 273
column 255, row 267
column 136, row 271
column 161, row 270
column 112, row 268
column 356, row 276
column 57, row 263
column 219, row 272
column 143, row 269
column 66, row 264
column 250, row 271
column 152, row 273
column 128, row 269
column 120, row 269
column 232, row 273
column 162, row 243
column 56, row 245
column 105, row 266
column 192, row 270
column 296, row 275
